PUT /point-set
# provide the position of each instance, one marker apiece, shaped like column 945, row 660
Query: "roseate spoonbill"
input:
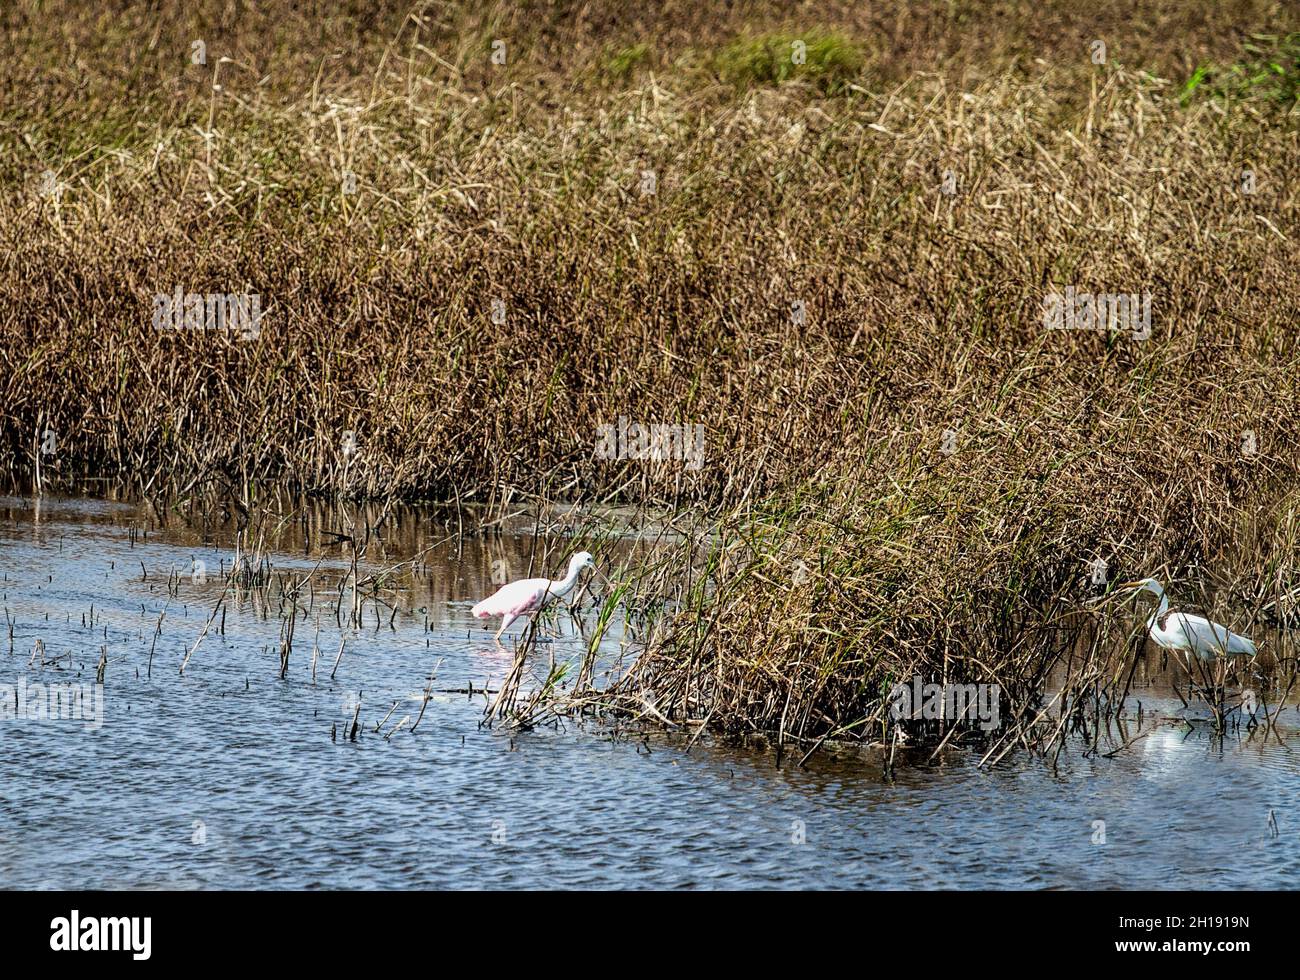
column 528, row 595
column 1183, row 631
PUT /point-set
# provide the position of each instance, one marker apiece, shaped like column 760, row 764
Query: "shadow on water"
column 229, row 776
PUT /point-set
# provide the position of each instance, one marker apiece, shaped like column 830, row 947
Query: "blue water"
column 229, row 777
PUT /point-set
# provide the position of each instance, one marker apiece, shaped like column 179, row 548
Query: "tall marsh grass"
column 838, row 269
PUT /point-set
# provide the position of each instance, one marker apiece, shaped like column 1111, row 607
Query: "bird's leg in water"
column 505, row 623
column 1220, row 694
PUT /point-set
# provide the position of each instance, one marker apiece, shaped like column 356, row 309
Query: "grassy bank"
column 835, row 264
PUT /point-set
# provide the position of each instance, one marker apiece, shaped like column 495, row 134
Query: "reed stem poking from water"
column 428, row 693
column 338, row 659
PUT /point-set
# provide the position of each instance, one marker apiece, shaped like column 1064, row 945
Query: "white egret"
column 1184, row 631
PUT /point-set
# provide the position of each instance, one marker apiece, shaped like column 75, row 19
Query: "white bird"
column 528, row 595
column 1184, row 631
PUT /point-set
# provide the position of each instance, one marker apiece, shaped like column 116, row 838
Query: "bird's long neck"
column 560, row 586
column 1153, row 624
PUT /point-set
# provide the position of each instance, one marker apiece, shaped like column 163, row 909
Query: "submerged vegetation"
column 479, row 234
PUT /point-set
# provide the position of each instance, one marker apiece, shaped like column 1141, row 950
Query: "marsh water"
column 227, row 776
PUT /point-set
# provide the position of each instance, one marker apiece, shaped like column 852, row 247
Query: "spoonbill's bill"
column 1183, row 631
column 528, row 595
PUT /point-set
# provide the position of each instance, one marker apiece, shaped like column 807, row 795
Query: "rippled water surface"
column 230, row 777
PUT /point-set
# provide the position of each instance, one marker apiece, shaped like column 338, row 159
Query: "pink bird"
column 528, row 595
